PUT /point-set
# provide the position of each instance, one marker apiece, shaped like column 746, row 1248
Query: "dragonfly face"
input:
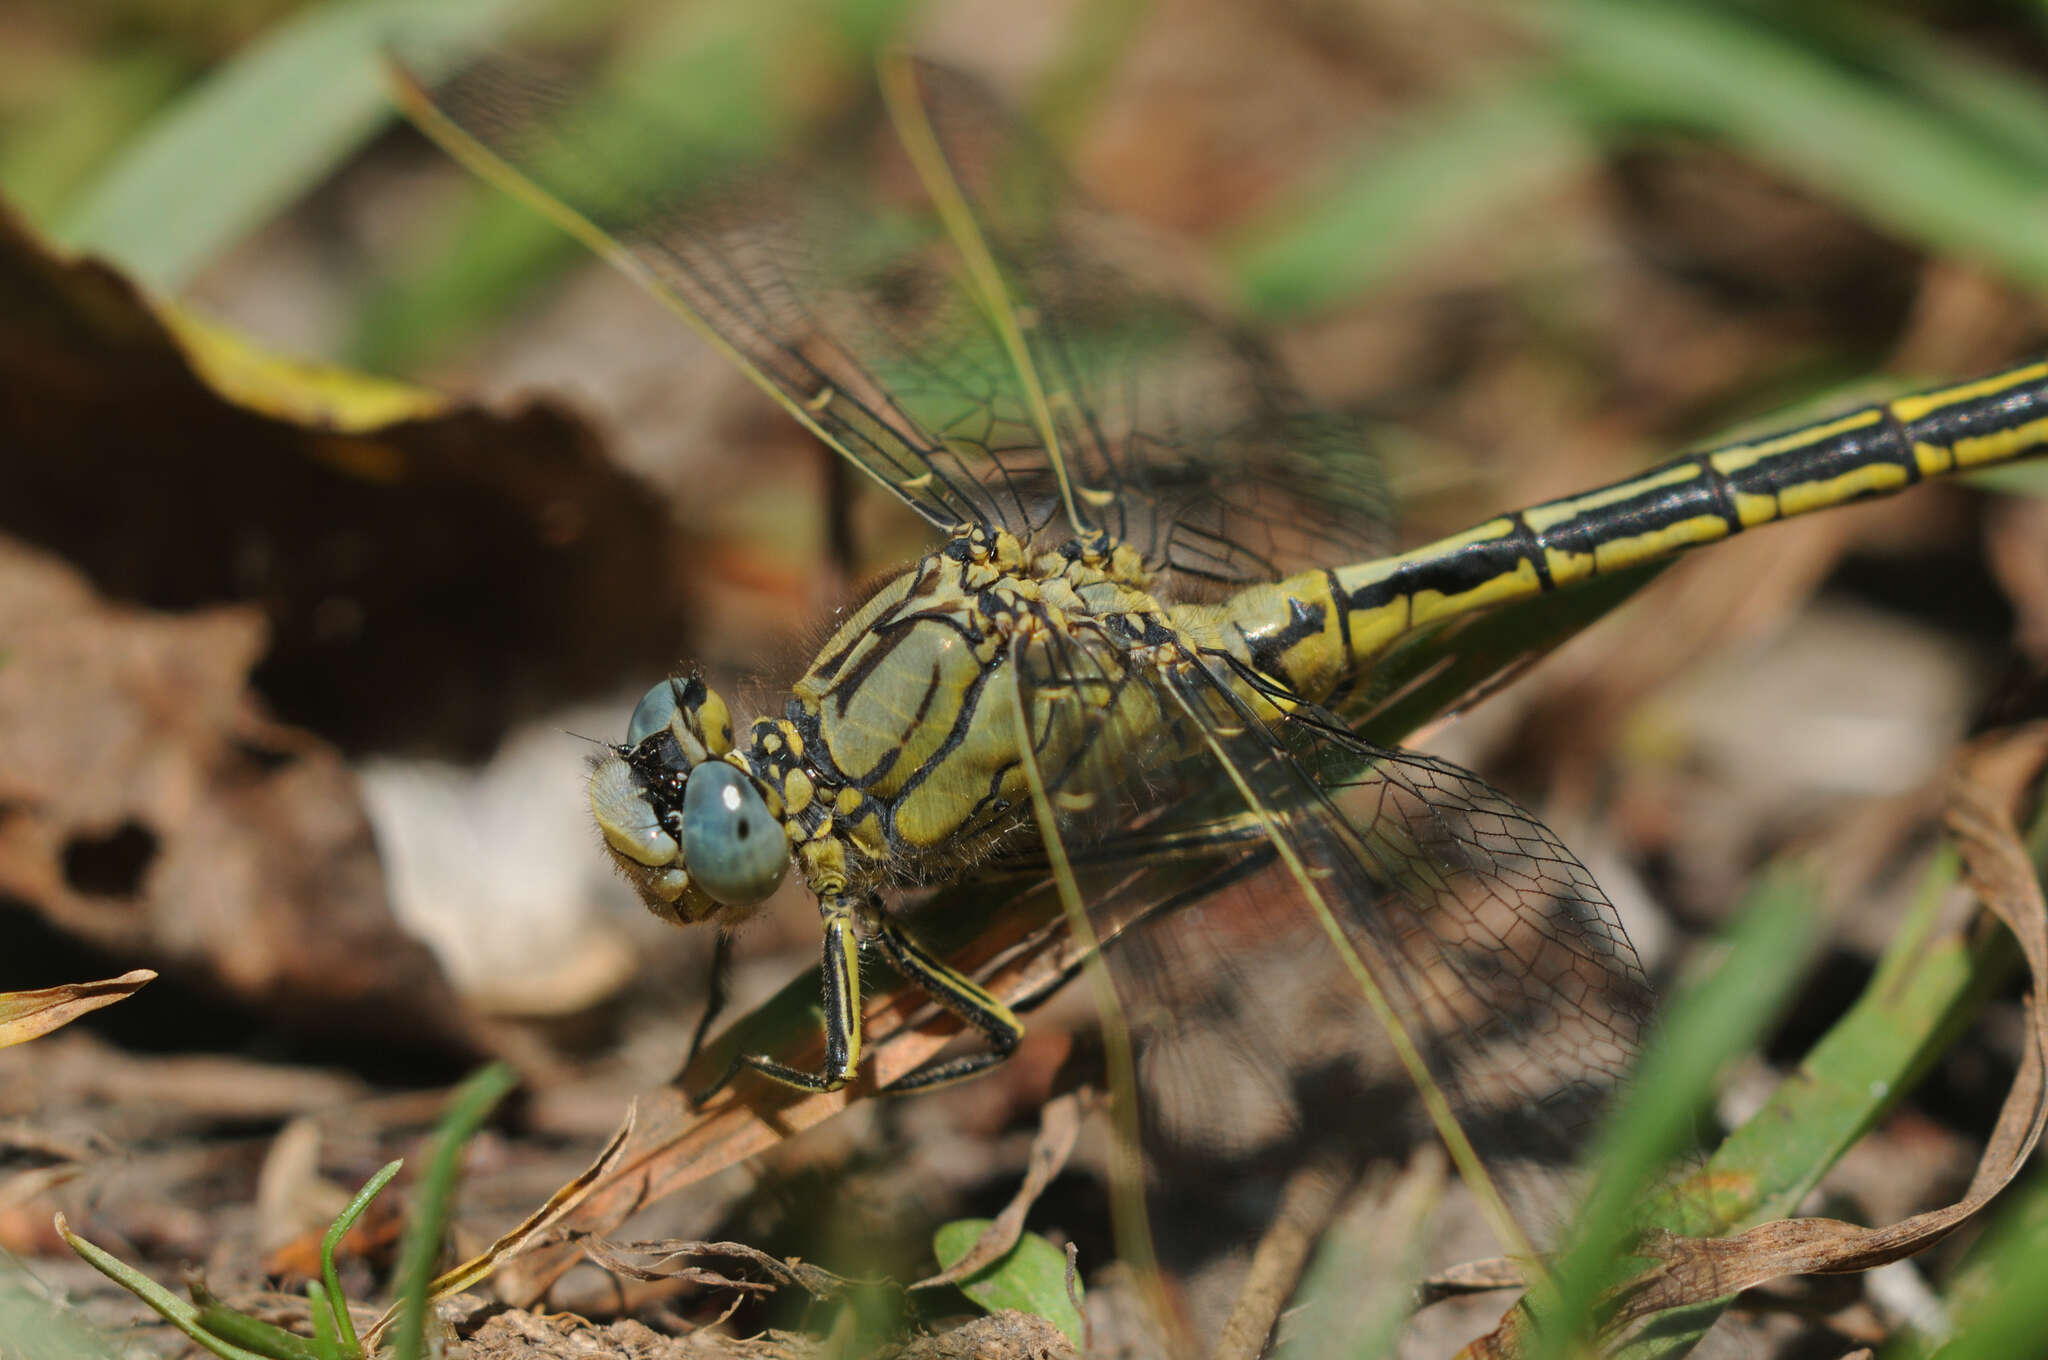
column 688, row 827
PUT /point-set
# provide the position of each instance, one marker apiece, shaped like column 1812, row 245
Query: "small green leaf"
column 1032, row 1278
column 168, row 1306
column 337, row 1303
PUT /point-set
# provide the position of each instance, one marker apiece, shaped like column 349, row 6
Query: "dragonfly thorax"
column 906, row 722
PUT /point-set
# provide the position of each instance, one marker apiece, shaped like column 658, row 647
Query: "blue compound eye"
column 735, row 851
column 652, row 713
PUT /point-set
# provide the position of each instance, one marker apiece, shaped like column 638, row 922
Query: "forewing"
column 1181, row 434
column 769, row 259
column 820, row 265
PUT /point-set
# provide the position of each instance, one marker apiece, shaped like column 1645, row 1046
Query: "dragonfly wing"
column 1263, row 895
column 828, row 275
column 1184, row 437
column 832, row 302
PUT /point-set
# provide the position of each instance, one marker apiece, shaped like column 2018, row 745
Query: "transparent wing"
column 768, row 262
column 1184, row 437
column 1254, row 895
column 828, row 275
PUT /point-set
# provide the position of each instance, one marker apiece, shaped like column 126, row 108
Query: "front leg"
column 841, row 991
column 951, row 989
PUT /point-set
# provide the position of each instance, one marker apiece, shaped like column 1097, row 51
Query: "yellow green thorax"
column 899, row 746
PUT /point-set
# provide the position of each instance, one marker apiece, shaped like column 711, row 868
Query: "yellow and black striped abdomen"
column 1871, row 452
column 1314, row 628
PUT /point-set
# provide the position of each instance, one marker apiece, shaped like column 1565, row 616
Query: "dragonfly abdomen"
column 1315, row 628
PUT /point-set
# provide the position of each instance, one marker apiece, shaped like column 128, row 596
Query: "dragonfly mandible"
column 1134, row 661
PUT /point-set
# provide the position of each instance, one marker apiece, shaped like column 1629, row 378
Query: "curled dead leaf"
column 1996, row 777
column 1059, row 1125
column 672, row 1257
column 469, row 566
column 26, row 1015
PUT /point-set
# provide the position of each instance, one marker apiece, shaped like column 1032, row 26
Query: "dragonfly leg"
column 956, row 992
column 951, row 989
column 716, row 993
column 841, row 972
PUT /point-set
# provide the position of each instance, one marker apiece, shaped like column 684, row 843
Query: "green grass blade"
column 330, row 1278
column 1995, row 1301
column 2013, row 479
column 1921, row 137
column 1989, row 99
column 421, row 1245
column 54, row 151
column 35, row 1326
column 252, row 1334
column 1923, row 994
column 1871, row 144
column 178, row 1312
column 326, row 1341
column 1710, row 1024
column 1452, row 164
column 255, row 136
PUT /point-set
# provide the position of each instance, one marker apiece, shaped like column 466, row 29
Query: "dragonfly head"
column 684, row 820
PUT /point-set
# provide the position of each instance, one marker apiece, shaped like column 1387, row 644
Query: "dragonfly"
column 1140, row 664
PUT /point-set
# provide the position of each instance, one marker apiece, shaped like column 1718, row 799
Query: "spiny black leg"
column 717, row 992
column 841, row 971
column 957, row 993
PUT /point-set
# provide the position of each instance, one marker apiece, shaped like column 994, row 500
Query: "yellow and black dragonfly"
column 1141, row 664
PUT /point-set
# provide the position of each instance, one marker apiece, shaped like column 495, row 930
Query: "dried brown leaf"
column 154, row 813
column 428, row 571
column 670, row 1252
column 1995, row 778
column 27, row 1015
column 1059, row 1125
